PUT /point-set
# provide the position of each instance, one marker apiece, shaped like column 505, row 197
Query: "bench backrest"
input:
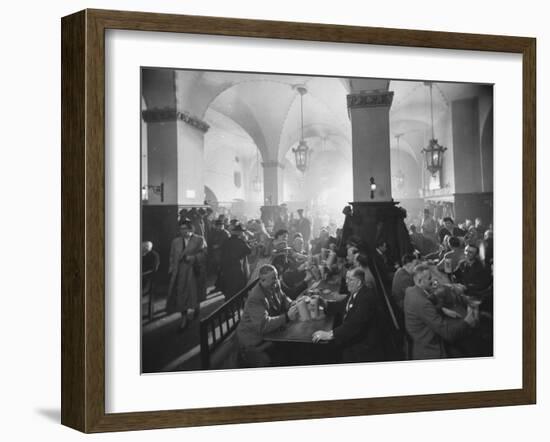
column 221, row 323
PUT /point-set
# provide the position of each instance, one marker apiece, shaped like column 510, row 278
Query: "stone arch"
column 210, row 196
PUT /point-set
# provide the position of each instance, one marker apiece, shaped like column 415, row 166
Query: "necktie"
column 349, row 305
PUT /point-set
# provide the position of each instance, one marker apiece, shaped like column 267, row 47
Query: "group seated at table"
column 442, row 307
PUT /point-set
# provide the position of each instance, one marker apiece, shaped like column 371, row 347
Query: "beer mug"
column 313, row 307
column 303, row 309
column 448, row 265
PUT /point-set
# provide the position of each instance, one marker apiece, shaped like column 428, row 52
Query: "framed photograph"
column 267, row 221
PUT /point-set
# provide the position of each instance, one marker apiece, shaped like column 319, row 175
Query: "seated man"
column 450, row 229
column 150, row 262
column 321, row 242
column 280, row 237
column 403, row 279
column 359, row 335
column 266, row 309
column 471, row 273
column 452, row 258
column 427, row 328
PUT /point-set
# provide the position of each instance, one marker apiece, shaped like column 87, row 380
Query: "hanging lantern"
column 301, row 152
column 300, row 155
column 433, row 154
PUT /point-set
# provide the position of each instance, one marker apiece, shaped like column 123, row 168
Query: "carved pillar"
column 191, row 132
column 178, row 148
column 370, row 130
column 375, row 215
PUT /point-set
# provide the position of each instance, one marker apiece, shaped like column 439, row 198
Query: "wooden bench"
column 218, row 339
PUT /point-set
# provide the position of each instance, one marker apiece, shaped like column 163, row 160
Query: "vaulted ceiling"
column 264, row 109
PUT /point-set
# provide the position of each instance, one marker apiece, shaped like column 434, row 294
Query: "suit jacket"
column 264, row 312
column 359, row 334
column 474, row 276
column 401, row 281
column 427, row 328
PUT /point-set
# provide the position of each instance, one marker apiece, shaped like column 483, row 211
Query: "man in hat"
column 234, row 271
column 185, row 290
column 218, row 236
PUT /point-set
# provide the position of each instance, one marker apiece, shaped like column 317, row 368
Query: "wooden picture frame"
column 83, row 219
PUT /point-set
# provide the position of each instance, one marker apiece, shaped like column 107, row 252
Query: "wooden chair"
column 218, row 340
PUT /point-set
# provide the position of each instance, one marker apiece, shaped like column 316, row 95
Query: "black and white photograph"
column 295, row 220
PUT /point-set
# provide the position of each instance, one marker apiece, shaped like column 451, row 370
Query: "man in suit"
column 452, row 258
column 471, row 273
column 186, row 263
column 403, row 279
column 267, row 309
column 427, row 328
column 359, row 335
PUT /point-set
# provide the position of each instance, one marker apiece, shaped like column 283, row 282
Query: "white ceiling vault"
column 264, row 110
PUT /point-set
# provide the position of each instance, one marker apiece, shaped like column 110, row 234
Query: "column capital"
column 273, row 164
column 167, row 114
column 370, row 99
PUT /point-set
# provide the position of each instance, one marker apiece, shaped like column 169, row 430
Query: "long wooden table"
column 301, row 331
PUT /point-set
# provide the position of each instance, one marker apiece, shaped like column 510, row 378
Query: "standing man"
column 304, row 227
column 234, row 270
column 187, row 256
column 428, row 228
column 218, row 237
column 267, row 309
column 426, row 327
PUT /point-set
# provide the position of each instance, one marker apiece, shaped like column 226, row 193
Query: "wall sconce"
column 372, row 187
column 157, row 190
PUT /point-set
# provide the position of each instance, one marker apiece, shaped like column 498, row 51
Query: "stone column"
column 174, row 139
column 190, row 151
column 273, row 190
column 471, row 199
column 370, row 130
column 375, row 216
column 273, row 183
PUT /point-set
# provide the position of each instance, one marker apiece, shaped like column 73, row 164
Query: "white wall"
column 30, row 171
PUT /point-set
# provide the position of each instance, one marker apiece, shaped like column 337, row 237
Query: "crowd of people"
column 440, row 302
column 435, row 302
